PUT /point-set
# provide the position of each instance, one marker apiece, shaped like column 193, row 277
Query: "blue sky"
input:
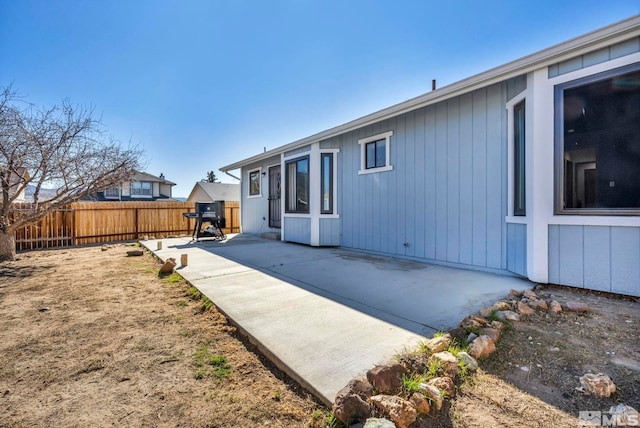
column 203, row 83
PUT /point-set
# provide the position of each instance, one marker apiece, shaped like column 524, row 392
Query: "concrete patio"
column 326, row 315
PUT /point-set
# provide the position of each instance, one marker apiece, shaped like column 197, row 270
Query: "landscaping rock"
column 386, row 379
column 468, row 360
column 449, row 362
column 444, row 383
column 628, row 363
column 530, row 294
column 507, row 316
column 134, row 253
column 350, row 403
column 524, row 309
column 515, row 293
column 401, row 411
column 486, row 311
column 438, row 344
column 501, row 306
column 497, row 325
column 472, row 322
column 378, row 423
column 482, row 347
column 472, row 337
column 539, row 305
column 421, row 404
column 599, row 385
column 168, row 266
column 432, row 393
column 577, row 307
column 555, row 307
column 493, row 333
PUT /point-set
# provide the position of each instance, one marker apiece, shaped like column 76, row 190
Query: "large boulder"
column 468, row 361
column 350, row 404
column 524, row 309
column 448, row 361
column 433, row 393
column 493, row 333
column 438, row 344
column 482, row 347
column 401, row 411
column 445, row 384
column 386, row 379
column 421, row 403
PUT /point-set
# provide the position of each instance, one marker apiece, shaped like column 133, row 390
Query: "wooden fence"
column 95, row 222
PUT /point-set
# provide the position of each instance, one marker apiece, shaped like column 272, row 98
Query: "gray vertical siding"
column 517, row 248
column 255, row 209
column 597, row 257
column 297, row 229
column 445, row 199
column 329, row 231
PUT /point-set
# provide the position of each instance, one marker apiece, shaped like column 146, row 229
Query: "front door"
column 275, row 208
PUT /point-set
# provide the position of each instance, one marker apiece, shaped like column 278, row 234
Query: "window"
column 326, row 185
column 519, row 206
column 374, row 153
column 297, row 196
column 141, row 188
column 254, row 183
column 597, row 137
column 112, row 192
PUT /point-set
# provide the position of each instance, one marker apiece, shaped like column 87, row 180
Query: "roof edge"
column 545, row 57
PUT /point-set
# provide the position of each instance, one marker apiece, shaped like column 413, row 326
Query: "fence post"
column 136, row 222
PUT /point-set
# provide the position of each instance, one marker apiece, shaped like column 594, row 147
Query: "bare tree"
column 62, row 148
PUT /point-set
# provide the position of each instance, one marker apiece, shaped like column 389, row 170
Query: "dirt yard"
column 91, row 337
column 94, row 338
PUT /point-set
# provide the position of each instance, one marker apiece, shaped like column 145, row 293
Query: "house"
column 18, row 179
column 531, row 168
column 143, row 187
column 204, row 191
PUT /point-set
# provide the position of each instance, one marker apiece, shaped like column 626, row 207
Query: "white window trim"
column 283, row 179
column 335, row 183
column 589, row 219
column 249, row 195
column 363, row 142
column 140, row 195
column 510, row 218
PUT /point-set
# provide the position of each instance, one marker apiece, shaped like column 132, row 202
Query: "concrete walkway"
column 326, row 315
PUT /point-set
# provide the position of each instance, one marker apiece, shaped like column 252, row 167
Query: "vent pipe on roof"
column 433, row 85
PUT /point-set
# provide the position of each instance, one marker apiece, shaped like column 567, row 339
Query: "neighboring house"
column 531, row 168
column 205, row 191
column 17, row 179
column 143, row 187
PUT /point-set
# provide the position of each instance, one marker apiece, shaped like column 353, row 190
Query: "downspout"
column 231, row 175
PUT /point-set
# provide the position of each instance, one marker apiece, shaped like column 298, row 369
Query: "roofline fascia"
column 593, row 40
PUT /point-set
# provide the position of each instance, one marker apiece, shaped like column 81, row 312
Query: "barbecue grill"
column 212, row 213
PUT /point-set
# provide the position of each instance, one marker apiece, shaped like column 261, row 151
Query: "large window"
column 326, row 183
column 141, row 188
column 519, row 205
column 598, row 143
column 254, row 182
column 374, row 153
column 297, row 181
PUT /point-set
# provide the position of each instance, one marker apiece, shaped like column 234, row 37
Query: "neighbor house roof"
column 594, row 40
column 216, row 191
column 145, row 176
